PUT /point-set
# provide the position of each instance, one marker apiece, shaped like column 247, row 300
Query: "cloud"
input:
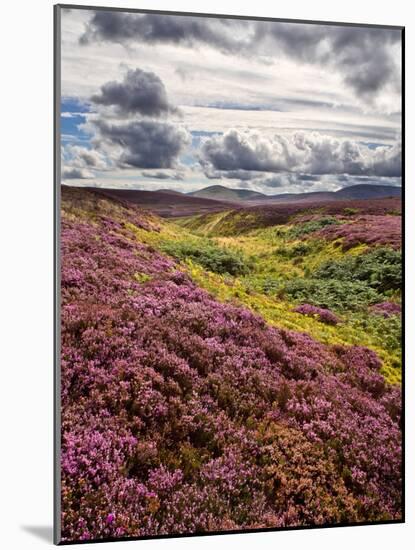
column 301, row 153
column 388, row 161
column 307, row 177
column 176, row 176
column 235, row 106
column 142, row 143
column 82, row 163
column 140, row 92
column 125, row 28
column 236, row 150
column 81, row 157
column 76, row 173
column 364, row 56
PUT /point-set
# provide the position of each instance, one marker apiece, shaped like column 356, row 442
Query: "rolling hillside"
column 230, row 283
column 242, row 220
column 168, row 204
column 354, row 192
column 220, row 192
column 229, row 375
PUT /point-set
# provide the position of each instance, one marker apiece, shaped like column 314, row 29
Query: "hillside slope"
column 220, row 192
column 353, row 192
column 181, row 414
column 168, row 204
column 243, row 219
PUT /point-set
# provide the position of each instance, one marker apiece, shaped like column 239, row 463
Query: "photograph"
column 229, row 274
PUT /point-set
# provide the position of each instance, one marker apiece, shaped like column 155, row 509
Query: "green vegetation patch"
column 380, row 269
column 330, row 293
column 350, row 283
column 299, row 230
column 210, row 256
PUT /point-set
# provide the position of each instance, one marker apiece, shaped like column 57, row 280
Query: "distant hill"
column 169, row 191
column 369, row 192
column 302, row 197
column 354, row 192
column 217, row 198
column 168, row 204
column 220, row 192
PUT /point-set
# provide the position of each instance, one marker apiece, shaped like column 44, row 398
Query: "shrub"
column 380, row 269
column 350, row 211
column 211, row 257
column 311, row 226
column 300, row 249
column 386, row 328
column 271, row 286
column 331, row 293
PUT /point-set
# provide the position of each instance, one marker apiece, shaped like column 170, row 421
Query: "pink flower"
column 110, row 518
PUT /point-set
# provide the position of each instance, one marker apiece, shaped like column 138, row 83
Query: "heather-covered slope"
column 345, row 262
column 241, row 220
column 182, row 414
column 169, row 204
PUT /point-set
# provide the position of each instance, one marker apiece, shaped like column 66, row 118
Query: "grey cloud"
column 273, row 182
column 241, row 175
column 177, row 176
column 144, row 143
column 80, row 162
column 283, row 182
column 388, row 161
column 307, row 103
column 362, row 55
column 302, row 153
column 234, row 106
column 156, row 28
column 81, row 157
column 140, row 92
column 238, row 151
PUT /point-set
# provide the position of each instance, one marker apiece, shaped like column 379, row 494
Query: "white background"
column 26, row 275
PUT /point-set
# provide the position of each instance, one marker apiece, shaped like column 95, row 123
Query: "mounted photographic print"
column 228, row 274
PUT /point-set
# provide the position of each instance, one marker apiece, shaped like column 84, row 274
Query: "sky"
column 154, row 101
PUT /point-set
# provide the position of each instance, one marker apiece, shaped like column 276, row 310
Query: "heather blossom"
column 387, row 309
column 322, row 314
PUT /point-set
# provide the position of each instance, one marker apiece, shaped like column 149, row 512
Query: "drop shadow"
column 42, row 532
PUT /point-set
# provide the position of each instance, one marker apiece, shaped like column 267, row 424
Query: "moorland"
column 228, row 364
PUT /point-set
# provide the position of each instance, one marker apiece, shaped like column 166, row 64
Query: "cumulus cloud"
column 142, row 143
column 364, row 56
column 81, row 157
column 140, row 92
column 82, row 163
column 302, row 153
